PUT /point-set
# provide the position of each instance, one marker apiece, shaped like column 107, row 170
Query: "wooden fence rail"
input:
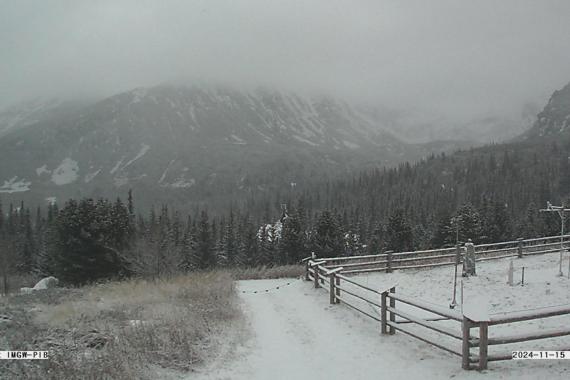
column 390, row 261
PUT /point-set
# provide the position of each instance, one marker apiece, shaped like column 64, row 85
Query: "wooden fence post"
column 307, row 270
column 389, row 261
column 316, row 276
column 383, row 312
column 483, row 344
column 332, row 289
column 392, row 315
column 465, row 328
column 520, row 247
column 337, row 289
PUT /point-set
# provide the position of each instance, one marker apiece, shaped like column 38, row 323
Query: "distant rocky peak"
column 555, row 117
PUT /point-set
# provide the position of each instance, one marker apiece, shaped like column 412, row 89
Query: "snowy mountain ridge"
column 188, row 142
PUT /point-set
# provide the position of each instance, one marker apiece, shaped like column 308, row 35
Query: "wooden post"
column 307, row 266
column 465, row 328
column 331, row 289
column 520, row 247
column 316, row 276
column 383, row 312
column 337, row 289
column 389, row 261
column 392, row 315
column 483, row 344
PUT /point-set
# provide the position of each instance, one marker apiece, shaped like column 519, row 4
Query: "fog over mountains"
column 190, row 143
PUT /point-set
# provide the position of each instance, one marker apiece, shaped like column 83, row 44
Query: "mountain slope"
column 190, row 144
column 554, row 119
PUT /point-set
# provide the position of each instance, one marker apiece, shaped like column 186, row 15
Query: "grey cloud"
column 457, row 58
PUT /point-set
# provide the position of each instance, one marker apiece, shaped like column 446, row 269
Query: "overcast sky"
column 460, row 58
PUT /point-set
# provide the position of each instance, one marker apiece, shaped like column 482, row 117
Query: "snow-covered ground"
column 296, row 334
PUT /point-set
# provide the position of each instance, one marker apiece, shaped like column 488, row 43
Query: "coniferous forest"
column 488, row 194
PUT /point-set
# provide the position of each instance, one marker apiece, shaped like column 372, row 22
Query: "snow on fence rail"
column 389, row 261
column 452, row 329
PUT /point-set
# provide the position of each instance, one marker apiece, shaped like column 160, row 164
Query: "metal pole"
column 561, row 213
column 457, row 256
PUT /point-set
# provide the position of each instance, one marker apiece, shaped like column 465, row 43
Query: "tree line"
column 489, row 194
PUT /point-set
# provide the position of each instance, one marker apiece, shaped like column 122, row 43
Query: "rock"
column 26, row 290
column 46, row 283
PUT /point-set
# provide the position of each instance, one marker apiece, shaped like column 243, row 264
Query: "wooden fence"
column 389, row 261
column 331, row 274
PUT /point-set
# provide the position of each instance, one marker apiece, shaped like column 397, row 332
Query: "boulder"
column 26, row 290
column 46, row 283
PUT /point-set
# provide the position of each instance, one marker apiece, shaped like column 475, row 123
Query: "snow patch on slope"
column 42, row 170
column 142, row 152
column 237, row 140
column 89, row 177
column 298, row 138
column 182, row 183
column 66, row 172
column 15, row 185
column 351, row 145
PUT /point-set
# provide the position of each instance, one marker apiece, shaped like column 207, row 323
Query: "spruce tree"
column 327, row 240
column 399, row 235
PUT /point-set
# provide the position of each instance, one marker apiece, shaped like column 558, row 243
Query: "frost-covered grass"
column 121, row 330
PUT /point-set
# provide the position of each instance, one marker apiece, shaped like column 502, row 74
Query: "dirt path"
column 298, row 335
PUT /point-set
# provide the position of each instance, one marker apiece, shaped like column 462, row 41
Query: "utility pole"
column 560, row 210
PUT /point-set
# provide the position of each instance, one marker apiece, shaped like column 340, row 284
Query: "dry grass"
column 17, row 281
column 126, row 330
column 263, row 272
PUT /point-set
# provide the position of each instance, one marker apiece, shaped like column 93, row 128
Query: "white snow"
column 117, row 166
column 66, row 172
column 165, row 172
column 42, row 170
column 138, row 95
column 298, row 138
column 296, row 334
column 234, row 139
column 477, row 309
column 142, row 152
column 15, row 185
column 351, row 145
column 51, row 200
column 120, row 181
column 182, row 183
column 89, row 177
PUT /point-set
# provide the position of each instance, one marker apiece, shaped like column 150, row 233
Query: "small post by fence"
column 337, row 289
column 383, row 313
column 331, row 289
column 520, row 247
column 476, row 314
column 307, row 270
column 389, row 261
column 392, row 315
column 316, row 276
column 483, row 344
column 334, row 282
column 465, row 328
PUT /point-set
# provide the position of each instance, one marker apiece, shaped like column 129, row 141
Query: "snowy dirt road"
column 296, row 334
